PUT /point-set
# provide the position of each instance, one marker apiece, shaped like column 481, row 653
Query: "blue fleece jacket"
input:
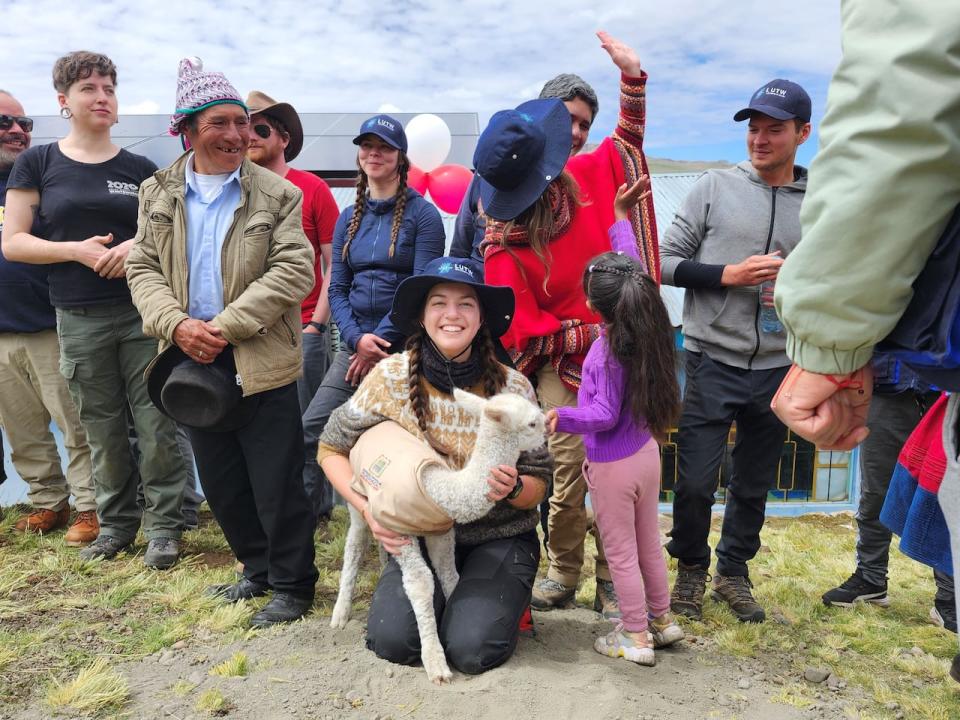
column 24, row 293
column 363, row 285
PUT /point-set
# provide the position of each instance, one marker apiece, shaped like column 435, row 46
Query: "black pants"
column 716, row 395
column 252, row 478
column 479, row 624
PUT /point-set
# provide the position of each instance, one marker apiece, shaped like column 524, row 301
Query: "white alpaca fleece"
column 508, row 425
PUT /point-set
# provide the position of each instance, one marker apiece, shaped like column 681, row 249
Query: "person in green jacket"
column 881, row 190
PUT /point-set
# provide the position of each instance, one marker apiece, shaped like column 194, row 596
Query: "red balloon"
column 448, row 184
column 417, row 179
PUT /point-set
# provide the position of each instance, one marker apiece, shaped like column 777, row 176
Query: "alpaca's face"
column 520, row 417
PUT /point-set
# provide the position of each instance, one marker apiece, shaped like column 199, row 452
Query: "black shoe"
column 191, row 521
column 955, row 668
column 244, row 589
column 855, row 589
column 162, row 553
column 105, row 547
column 282, row 608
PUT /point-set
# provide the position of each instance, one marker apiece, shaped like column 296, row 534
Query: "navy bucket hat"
column 519, row 154
column 496, row 301
column 781, row 100
column 385, row 127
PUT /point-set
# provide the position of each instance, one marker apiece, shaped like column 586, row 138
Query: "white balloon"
column 428, row 141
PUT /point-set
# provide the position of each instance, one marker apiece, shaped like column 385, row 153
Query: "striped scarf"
column 563, row 206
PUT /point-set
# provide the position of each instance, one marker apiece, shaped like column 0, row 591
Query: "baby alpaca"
column 509, row 424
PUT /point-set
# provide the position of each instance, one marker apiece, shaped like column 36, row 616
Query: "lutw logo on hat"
column 780, row 99
column 385, row 127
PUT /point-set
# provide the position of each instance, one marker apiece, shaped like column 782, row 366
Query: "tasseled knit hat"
column 197, row 90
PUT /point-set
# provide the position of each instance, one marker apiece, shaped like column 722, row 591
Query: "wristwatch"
column 517, row 489
column 318, row 326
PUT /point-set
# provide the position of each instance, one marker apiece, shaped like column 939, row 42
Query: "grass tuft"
column 236, row 666
column 213, row 703
column 94, row 689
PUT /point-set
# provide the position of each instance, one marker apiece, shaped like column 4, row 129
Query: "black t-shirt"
column 78, row 200
column 24, row 294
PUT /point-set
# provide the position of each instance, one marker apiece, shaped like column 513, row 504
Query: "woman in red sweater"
column 546, row 217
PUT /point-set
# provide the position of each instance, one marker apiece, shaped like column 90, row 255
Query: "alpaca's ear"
column 473, row 403
column 495, row 414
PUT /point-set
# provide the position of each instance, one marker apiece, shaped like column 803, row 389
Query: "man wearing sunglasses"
column 32, row 390
column 276, row 138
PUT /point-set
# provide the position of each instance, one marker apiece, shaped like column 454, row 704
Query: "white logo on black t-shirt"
column 115, row 187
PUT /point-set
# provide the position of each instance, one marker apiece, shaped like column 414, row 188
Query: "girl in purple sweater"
column 628, row 398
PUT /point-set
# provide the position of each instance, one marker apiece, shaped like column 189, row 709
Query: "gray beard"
column 7, row 159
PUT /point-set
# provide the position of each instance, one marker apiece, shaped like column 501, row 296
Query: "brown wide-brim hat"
column 261, row 103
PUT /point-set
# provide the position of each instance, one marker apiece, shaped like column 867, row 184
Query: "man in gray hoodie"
column 726, row 245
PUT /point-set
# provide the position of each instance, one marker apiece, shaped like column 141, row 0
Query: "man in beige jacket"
column 218, row 268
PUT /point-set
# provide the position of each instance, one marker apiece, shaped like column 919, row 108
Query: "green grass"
column 65, row 623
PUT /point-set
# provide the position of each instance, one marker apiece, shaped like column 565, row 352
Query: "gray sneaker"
column 162, row 553
column 105, row 547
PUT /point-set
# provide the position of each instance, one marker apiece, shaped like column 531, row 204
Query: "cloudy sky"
column 704, row 57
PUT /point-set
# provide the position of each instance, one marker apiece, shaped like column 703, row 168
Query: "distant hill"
column 664, row 165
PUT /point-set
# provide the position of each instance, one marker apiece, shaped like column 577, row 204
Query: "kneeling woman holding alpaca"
column 453, row 318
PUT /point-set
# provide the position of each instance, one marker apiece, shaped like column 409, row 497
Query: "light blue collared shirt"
column 208, row 220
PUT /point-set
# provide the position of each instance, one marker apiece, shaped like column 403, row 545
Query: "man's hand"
column 358, row 369
column 628, row 197
column 502, row 480
column 828, row 410
column 372, row 348
column 392, row 542
column 110, row 264
column 200, row 340
column 88, row 252
column 622, row 55
column 754, row 270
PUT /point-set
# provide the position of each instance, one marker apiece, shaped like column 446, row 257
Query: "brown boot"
column 734, row 590
column 687, row 596
column 85, row 529
column 44, row 521
column 551, row 595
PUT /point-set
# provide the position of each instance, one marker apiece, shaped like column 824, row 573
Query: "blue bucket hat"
column 385, row 127
column 781, row 100
column 496, row 301
column 519, row 154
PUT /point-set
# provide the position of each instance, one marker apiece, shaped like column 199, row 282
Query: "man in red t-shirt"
column 276, row 139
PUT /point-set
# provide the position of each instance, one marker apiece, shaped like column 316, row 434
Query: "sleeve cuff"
column 827, row 361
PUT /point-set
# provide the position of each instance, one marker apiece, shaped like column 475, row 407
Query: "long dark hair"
column 639, row 336
column 494, row 374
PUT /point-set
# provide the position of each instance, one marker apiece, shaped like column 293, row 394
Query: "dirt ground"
column 311, row 671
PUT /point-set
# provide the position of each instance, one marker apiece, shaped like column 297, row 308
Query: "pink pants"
column 624, row 495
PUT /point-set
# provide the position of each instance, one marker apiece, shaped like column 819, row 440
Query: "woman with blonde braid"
column 389, row 234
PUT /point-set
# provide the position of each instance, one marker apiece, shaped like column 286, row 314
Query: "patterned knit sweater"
column 384, row 395
column 552, row 323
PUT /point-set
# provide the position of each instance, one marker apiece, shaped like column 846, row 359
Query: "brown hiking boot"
column 550, row 595
column 734, row 590
column 44, row 521
column 605, row 600
column 85, row 529
column 687, row 596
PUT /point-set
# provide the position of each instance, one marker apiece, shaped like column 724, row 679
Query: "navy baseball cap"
column 519, row 154
column 385, row 127
column 780, row 99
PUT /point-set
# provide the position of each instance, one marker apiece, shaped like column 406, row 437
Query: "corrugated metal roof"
column 669, row 191
column 327, row 137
